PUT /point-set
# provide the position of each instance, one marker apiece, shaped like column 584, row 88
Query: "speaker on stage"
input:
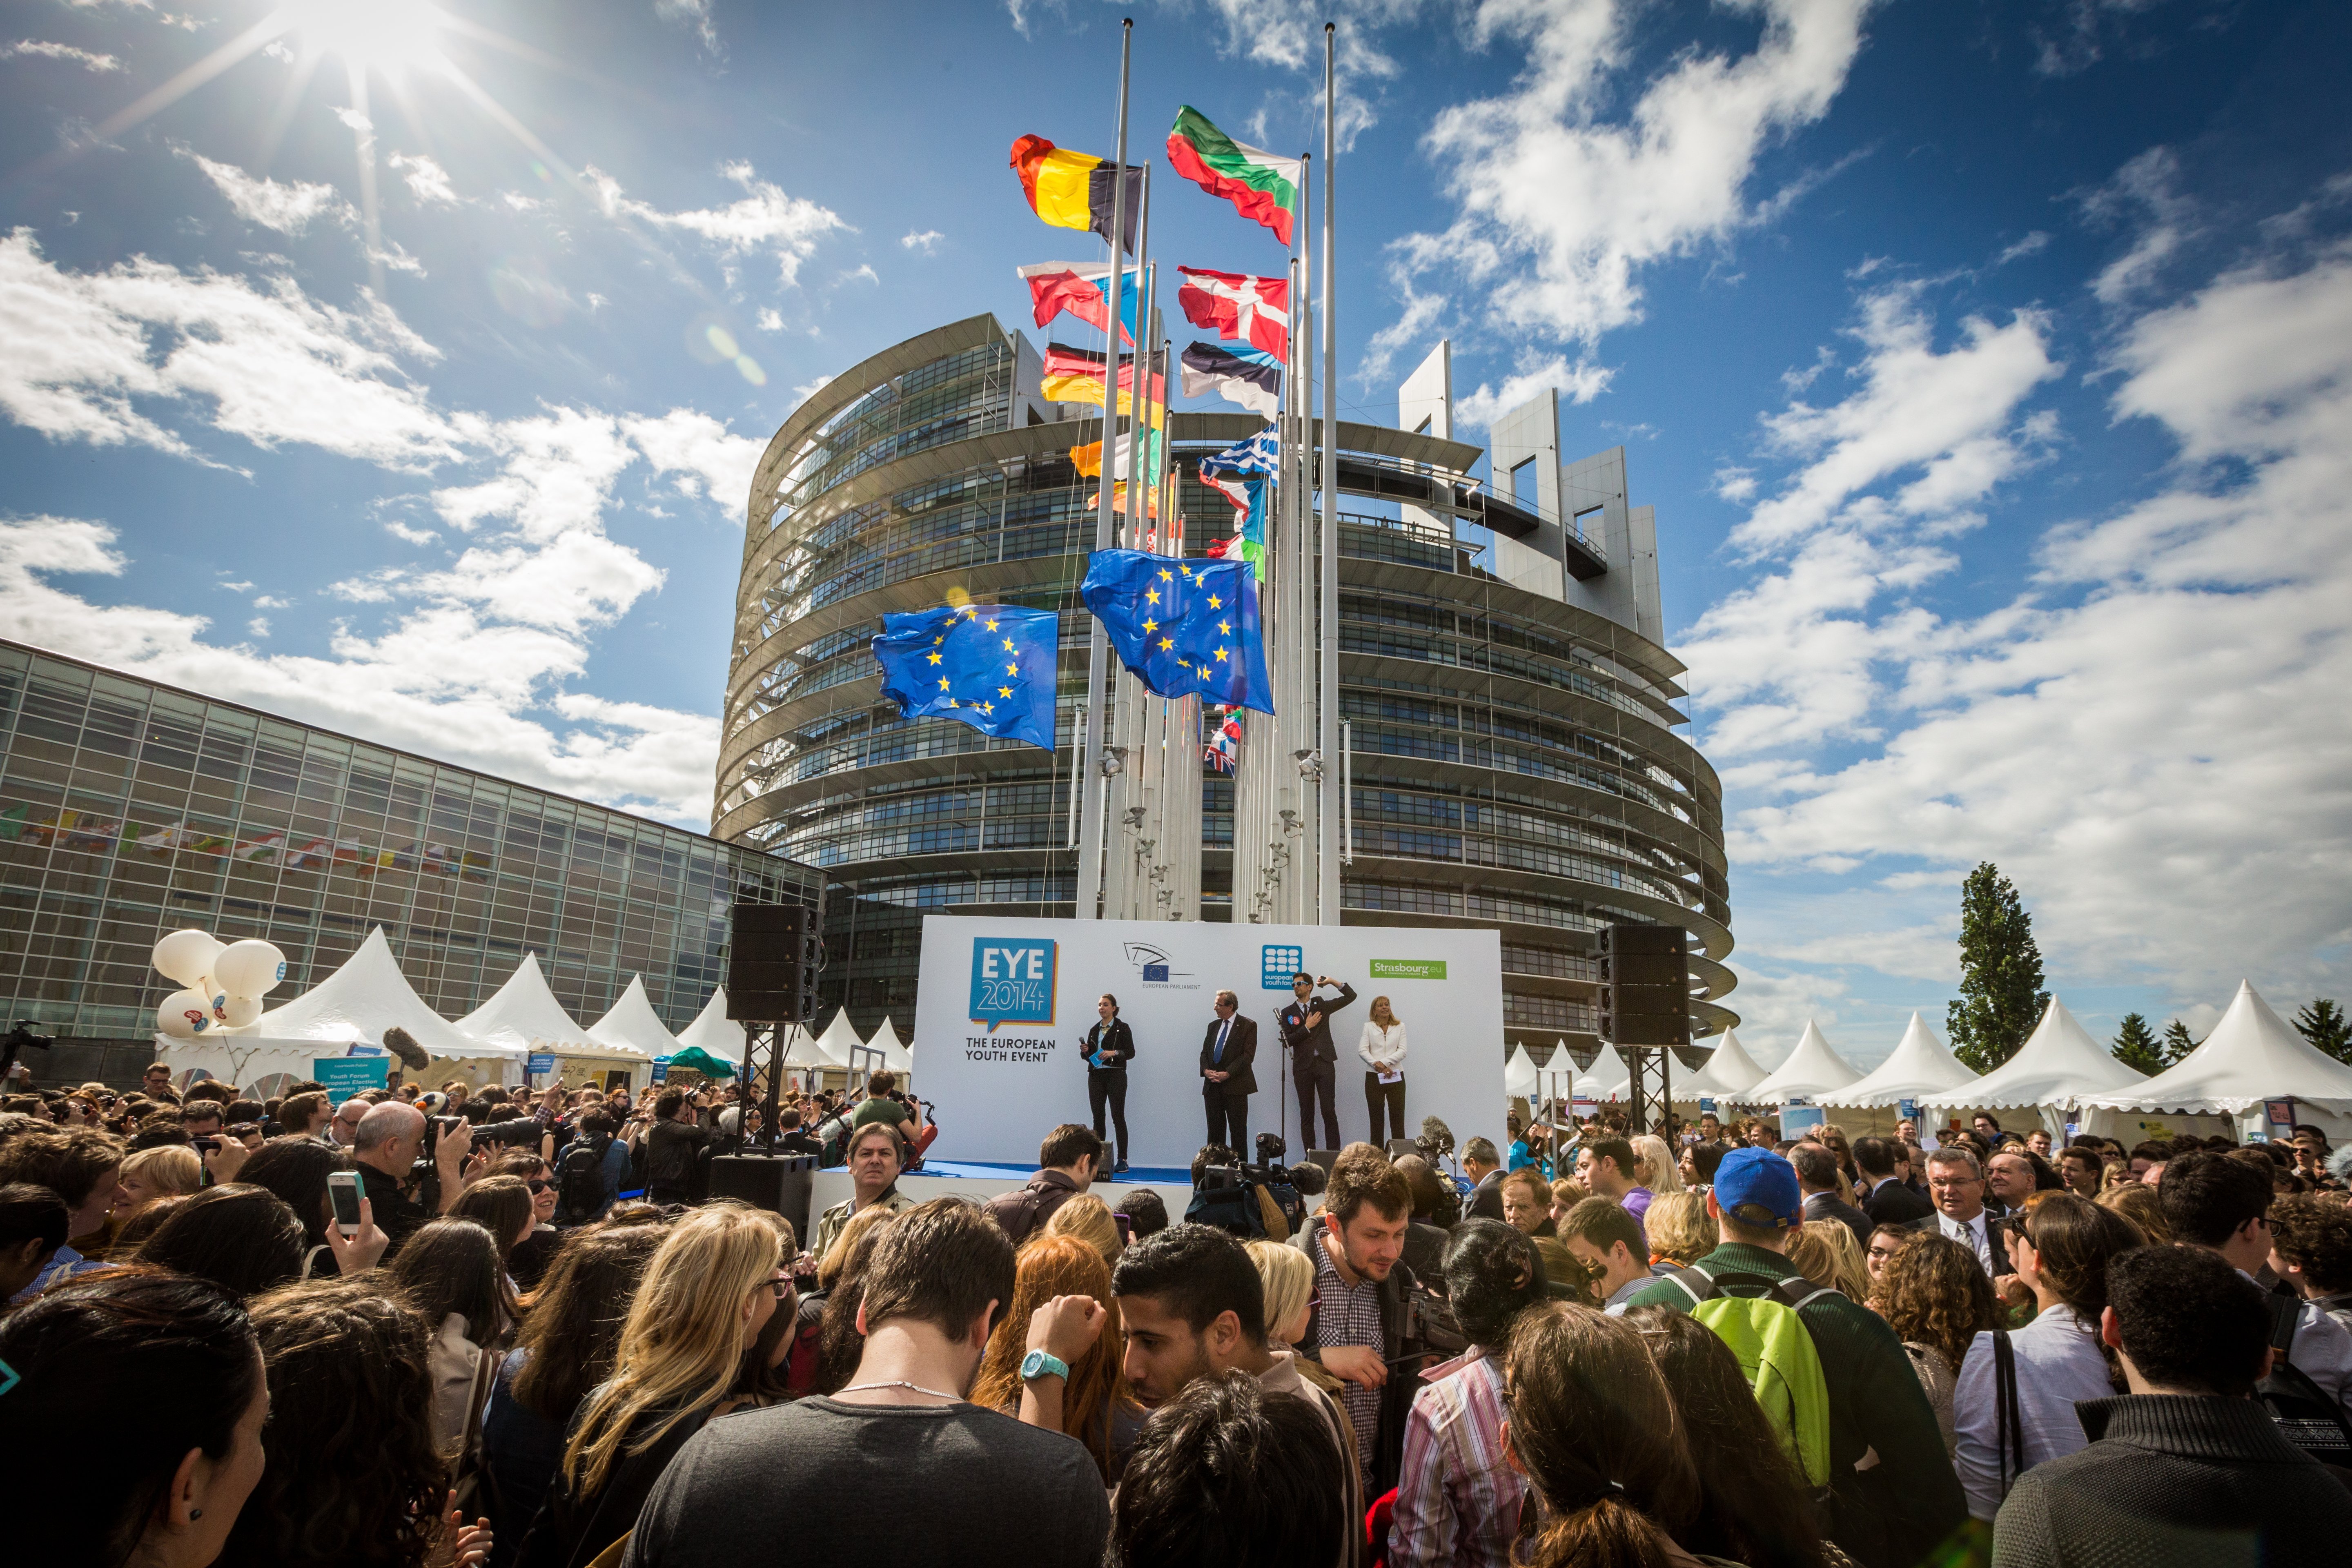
column 779, row 1183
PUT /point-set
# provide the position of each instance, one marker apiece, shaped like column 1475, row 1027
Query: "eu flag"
column 1185, row 628
column 988, row 666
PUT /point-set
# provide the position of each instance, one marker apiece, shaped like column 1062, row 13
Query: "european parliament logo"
column 1012, row 979
column 1276, row 964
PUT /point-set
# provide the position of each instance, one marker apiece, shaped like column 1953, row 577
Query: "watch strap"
column 1042, row 1363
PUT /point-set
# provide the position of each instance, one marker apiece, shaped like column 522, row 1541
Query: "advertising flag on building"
column 1245, row 310
column 1262, row 188
column 1081, row 289
column 1075, row 375
column 988, row 666
column 1072, row 190
column 1185, row 629
column 1250, row 377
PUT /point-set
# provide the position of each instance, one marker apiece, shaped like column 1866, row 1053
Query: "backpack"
column 1776, row 1351
column 2304, row 1417
column 670, row 1162
column 1234, row 1210
column 579, row 1178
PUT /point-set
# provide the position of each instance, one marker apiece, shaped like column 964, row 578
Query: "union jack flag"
column 1222, row 752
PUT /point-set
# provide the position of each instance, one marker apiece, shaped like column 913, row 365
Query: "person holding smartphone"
column 1110, row 1046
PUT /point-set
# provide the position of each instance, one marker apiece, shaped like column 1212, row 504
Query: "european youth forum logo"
column 1012, row 979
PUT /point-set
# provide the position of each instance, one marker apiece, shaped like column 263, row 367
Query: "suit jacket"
column 1309, row 1045
column 1241, row 1051
column 1827, row 1205
column 1895, row 1204
column 1486, row 1200
column 2001, row 1268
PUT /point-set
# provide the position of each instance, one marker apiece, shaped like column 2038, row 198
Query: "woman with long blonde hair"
column 1088, row 1219
column 1381, row 1046
column 1654, row 1166
column 1097, row 1407
column 707, row 1293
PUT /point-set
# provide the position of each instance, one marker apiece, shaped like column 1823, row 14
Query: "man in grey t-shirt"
column 959, row 1483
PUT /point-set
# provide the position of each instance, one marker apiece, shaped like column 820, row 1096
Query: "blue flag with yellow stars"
column 1185, row 628
column 988, row 666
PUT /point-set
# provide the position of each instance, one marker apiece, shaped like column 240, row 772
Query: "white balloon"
column 186, row 955
column 240, row 1011
column 184, row 1015
column 249, row 968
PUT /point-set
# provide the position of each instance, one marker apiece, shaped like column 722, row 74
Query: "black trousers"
column 1317, row 1079
column 1108, row 1084
column 1378, row 1095
column 1227, row 1114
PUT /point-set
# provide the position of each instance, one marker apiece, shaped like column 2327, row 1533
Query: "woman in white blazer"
column 1381, row 1046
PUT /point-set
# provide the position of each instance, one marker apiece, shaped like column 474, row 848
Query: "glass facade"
column 128, row 809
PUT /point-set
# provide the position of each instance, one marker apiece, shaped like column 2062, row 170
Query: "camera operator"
column 388, row 1145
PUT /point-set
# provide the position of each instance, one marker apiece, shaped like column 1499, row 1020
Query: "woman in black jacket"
column 1110, row 1046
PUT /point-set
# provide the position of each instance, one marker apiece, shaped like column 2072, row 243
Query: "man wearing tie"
column 1957, row 1187
column 1226, row 1079
column 1314, row 1064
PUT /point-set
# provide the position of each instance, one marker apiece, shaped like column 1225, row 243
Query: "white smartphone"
column 343, row 1195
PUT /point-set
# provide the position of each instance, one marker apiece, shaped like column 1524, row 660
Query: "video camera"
column 514, row 1130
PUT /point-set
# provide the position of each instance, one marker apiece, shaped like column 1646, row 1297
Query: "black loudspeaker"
column 1326, row 1158
column 772, row 964
column 1645, row 985
column 779, row 1185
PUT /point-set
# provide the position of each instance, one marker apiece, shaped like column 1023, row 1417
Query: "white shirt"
column 1383, row 1049
column 2058, row 1363
column 2321, row 1350
column 1970, row 1234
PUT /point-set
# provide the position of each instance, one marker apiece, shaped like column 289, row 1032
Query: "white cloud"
column 864, row 272
column 428, row 181
column 2033, row 244
column 1561, row 208
column 85, row 58
column 2141, row 188
column 1580, row 382
column 270, row 601
column 705, row 457
column 694, row 14
column 771, row 320
column 808, row 389
column 1774, row 1008
column 1288, row 35
column 1420, row 314
column 362, row 131
column 257, row 627
column 1923, row 951
column 929, row 239
column 786, row 228
column 289, row 209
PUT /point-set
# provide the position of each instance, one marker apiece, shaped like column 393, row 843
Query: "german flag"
column 1075, row 375
column 1072, row 190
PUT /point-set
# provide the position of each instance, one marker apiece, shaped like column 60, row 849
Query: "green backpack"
column 1777, row 1353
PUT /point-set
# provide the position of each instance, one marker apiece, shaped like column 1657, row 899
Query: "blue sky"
column 1989, row 367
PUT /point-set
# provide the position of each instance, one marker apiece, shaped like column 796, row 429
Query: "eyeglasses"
column 1315, row 1297
column 1954, row 1181
column 535, row 1184
column 779, row 1285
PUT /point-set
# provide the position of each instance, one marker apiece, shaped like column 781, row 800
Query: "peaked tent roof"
column 1922, row 1065
column 714, row 1031
column 1812, row 1070
column 524, row 1013
column 1729, row 1073
column 2058, row 1066
column 800, row 1049
column 895, row 1057
column 633, row 1026
column 838, row 1037
column 1520, row 1072
column 2253, row 1054
column 362, row 999
column 1607, row 1079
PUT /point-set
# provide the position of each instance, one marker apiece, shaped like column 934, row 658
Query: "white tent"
column 524, row 1014
column 1520, row 1072
column 1607, row 1078
column 1811, row 1071
column 714, row 1031
column 1728, row 1073
column 839, row 1037
column 633, row 1026
column 895, row 1057
column 2252, row 1056
column 800, row 1049
column 2058, row 1066
column 1922, row 1065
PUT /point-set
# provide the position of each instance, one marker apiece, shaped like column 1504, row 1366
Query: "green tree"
column 2001, row 996
column 2325, row 1025
column 2136, row 1046
column 2177, row 1043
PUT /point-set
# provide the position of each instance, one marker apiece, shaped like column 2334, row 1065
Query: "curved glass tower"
column 1513, row 748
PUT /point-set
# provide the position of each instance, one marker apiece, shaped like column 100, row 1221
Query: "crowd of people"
column 461, row 1327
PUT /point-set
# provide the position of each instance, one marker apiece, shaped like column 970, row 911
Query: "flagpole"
column 1327, row 847
column 1090, row 833
column 1299, row 886
column 1136, row 419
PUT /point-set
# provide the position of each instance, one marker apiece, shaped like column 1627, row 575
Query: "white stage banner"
column 1003, row 1007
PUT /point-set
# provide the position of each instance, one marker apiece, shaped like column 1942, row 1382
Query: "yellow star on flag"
column 1215, row 602
column 1152, row 596
column 1011, row 669
column 1220, row 656
column 1004, row 691
column 988, row 707
column 1149, row 625
column 1166, row 644
column 1226, row 627
column 934, row 658
column 1008, row 645
column 943, row 683
column 1167, row 576
column 991, row 626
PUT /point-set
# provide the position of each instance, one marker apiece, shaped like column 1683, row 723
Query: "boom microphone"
column 402, row 1044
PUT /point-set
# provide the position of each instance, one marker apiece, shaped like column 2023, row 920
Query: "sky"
column 1989, row 367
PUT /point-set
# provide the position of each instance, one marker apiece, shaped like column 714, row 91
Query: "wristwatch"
column 1038, row 1363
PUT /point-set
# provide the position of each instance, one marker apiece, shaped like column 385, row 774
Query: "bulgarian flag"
column 1261, row 186
column 1073, row 190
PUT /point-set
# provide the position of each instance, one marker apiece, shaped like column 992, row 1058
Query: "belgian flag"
column 1072, row 190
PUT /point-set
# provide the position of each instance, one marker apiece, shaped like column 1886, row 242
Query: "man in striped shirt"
column 1457, row 1499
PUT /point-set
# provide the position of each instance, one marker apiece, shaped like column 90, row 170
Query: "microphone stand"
column 1281, row 1101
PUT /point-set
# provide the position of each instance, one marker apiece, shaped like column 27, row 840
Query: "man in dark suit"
column 1885, row 1198
column 1817, row 1178
column 1227, row 1080
column 1314, row 1062
column 1483, row 1166
column 1957, row 1184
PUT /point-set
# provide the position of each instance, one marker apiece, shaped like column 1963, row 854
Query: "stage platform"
column 983, row 1180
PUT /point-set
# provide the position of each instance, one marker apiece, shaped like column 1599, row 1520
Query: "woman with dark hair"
column 2060, row 1248
column 449, row 1272
column 353, row 1479
column 501, row 1205
column 1109, row 1045
column 1227, row 1473
column 241, row 1237
column 296, row 1169
column 564, row 1349
column 163, row 1487
column 1934, row 1294
column 1435, row 1208
column 1592, row 1426
column 527, row 1260
column 33, row 1222
column 1752, row 1498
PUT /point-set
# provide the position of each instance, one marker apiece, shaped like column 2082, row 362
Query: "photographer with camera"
column 388, row 1147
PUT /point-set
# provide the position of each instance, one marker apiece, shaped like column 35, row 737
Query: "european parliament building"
column 1517, row 762
column 128, row 809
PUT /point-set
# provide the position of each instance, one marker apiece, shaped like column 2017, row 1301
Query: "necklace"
column 899, row 1382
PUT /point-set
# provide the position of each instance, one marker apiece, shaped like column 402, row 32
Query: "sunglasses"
column 535, row 1184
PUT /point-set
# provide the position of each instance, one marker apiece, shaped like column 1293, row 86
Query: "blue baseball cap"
column 1757, row 1188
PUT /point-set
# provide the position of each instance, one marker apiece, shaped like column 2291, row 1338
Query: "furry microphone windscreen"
column 402, row 1044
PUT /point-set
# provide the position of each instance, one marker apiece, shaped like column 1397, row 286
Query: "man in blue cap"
column 1894, row 1496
